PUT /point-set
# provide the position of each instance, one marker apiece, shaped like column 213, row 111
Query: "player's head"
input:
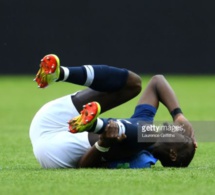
column 177, row 152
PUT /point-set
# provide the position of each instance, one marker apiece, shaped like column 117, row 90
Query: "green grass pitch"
column 20, row 174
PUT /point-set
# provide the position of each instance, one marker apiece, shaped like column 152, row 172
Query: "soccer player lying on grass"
column 118, row 139
column 54, row 146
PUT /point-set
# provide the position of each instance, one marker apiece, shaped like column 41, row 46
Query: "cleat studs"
column 86, row 113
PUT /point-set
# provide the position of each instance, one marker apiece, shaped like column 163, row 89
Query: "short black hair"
column 185, row 153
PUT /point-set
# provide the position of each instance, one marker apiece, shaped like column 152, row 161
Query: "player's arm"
column 159, row 90
column 93, row 158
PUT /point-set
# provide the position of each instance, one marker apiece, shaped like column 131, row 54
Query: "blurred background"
column 145, row 36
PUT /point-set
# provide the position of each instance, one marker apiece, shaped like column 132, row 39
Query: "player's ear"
column 173, row 154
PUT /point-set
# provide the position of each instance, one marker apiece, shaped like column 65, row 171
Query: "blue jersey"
column 143, row 159
column 144, row 112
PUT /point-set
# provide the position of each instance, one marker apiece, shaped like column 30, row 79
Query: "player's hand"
column 110, row 135
column 181, row 120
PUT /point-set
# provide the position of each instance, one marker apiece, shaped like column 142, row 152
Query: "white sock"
column 90, row 75
column 121, row 127
column 66, row 73
column 99, row 125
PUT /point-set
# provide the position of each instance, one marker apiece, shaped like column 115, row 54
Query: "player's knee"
column 158, row 77
column 134, row 82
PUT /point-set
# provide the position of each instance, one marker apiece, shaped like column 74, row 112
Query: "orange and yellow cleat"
column 86, row 119
column 49, row 71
